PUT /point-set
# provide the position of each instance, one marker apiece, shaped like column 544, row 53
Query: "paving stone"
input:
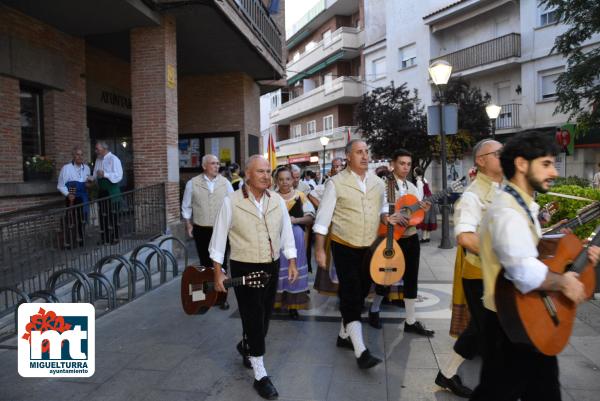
column 129, row 384
column 578, row 372
column 162, row 357
column 303, row 381
column 356, row 391
column 162, row 395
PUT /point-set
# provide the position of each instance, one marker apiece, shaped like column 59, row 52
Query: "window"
column 408, row 56
column 328, row 80
column 311, row 127
column 296, row 56
column 274, row 102
column 548, row 85
column 31, row 122
column 327, row 38
column 548, row 17
column 328, row 123
column 379, row 68
column 296, row 131
column 311, row 45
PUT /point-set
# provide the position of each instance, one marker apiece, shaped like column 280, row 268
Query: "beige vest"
column 484, row 189
column 206, row 205
column 490, row 265
column 356, row 215
column 249, row 233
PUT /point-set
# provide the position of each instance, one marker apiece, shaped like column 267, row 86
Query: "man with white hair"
column 202, row 199
column 298, row 183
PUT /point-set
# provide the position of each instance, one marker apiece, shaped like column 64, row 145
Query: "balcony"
column 487, row 54
column 345, row 42
column 508, row 117
column 343, row 90
column 311, row 143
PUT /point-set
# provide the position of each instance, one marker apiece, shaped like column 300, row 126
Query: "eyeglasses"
column 495, row 153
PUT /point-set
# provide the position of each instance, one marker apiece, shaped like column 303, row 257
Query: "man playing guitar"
column 401, row 165
column 508, row 237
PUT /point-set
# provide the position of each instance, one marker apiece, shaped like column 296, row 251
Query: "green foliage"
column 573, row 180
column 578, row 88
column 568, row 207
column 39, row 164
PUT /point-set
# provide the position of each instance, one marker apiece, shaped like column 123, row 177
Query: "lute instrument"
column 198, row 293
column 410, row 207
column 387, row 259
column 544, row 319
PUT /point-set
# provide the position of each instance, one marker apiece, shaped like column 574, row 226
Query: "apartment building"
column 501, row 46
column 324, row 83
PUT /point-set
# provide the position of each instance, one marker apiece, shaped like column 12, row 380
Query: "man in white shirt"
column 108, row 172
column 258, row 225
column 298, row 183
column 72, row 185
column 508, row 236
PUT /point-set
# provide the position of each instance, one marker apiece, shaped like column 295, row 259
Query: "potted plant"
column 38, row 168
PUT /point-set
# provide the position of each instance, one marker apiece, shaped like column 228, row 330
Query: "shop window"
column 32, row 134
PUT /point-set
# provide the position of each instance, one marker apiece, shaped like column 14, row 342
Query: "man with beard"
column 508, row 237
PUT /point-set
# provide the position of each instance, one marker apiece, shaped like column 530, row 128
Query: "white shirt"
column 403, row 187
column 71, row 172
column 514, row 245
column 329, row 200
column 469, row 211
column 111, row 165
column 186, row 203
column 218, row 241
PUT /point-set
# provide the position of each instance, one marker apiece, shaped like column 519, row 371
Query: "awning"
column 316, row 68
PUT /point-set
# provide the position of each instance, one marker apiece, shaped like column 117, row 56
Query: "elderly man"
column 108, row 172
column 257, row 222
column 298, row 183
column 71, row 183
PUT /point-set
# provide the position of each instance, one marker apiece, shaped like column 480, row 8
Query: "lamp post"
column 493, row 111
column 324, row 141
column 440, row 72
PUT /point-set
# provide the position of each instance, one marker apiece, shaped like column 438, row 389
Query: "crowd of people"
column 276, row 221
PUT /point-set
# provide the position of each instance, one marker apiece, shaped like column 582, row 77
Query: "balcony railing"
column 508, row 117
column 484, row 53
column 334, row 133
column 262, row 24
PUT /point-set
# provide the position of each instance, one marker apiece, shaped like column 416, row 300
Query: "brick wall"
column 154, row 110
column 14, row 203
column 106, row 69
column 251, row 114
column 10, row 131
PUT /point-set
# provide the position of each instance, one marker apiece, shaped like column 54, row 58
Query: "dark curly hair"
column 528, row 145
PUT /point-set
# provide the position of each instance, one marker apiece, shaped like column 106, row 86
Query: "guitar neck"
column 581, row 260
column 577, row 221
column 230, row 282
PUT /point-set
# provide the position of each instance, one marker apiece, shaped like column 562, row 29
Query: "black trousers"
column 514, row 371
column 255, row 304
column 471, row 341
column 202, row 239
column 109, row 217
column 411, row 248
column 354, row 279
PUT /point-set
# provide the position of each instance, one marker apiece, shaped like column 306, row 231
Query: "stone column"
column 154, row 110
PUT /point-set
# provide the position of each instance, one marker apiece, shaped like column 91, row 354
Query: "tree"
column 578, row 88
column 391, row 118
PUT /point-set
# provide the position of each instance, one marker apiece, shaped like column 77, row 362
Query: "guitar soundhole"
column 388, row 253
column 406, row 212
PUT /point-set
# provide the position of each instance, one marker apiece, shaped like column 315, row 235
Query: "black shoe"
column 244, row 353
column 224, row 306
column 453, row 384
column 366, row 360
column 418, row 328
column 374, row 320
column 344, row 343
column 294, row 314
column 265, row 388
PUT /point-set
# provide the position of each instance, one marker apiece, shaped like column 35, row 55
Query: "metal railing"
column 33, row 248
column 334, row 133
column 508, row 117
column 264, row 27
column 484, row 53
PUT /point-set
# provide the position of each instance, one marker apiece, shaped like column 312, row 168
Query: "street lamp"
column 324, row 141
column 493, row 111
column 440, row 72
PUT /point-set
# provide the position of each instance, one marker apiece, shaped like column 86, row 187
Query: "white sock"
column 376, row 305
column 343, row 333
column 452, row 366
column 426, row 234
column 354, row 330
column 409, row 305
column 258, row 366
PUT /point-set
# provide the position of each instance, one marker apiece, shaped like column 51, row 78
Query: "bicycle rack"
column 48, row 296
column 183, row 247
column 80, row 277
column 24, row 299
column 136, row 265
column 99, row 281
column 131, row 278
column 161, row 260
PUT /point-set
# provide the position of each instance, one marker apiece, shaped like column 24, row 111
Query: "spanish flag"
column 271, row 152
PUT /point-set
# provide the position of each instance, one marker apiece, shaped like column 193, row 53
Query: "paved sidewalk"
column 150, row 350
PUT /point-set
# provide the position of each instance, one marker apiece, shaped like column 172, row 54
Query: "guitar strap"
column 519, row 200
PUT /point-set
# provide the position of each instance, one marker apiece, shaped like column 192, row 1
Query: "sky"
column 294, row 9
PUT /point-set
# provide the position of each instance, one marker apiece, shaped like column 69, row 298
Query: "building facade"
column 324, row 83
column 502, row 47
column 162, row 81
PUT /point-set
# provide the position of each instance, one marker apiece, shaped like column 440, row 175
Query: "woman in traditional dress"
column 429, row 223
column 294, row 296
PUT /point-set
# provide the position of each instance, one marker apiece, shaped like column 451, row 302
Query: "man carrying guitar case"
column 508, row 235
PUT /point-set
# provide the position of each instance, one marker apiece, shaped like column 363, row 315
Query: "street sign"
column 450, row 112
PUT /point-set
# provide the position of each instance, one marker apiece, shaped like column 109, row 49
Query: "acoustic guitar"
column 409, row 206
column 198, row 288
column 544, row 319
column 387, row 259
